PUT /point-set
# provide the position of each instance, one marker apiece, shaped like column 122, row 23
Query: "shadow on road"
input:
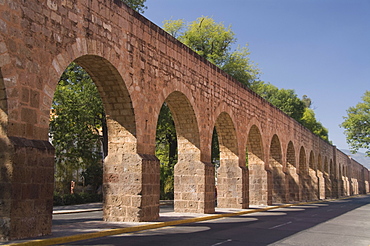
column 260, row 228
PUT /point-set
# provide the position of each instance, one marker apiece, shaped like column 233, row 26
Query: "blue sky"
column 319, row 48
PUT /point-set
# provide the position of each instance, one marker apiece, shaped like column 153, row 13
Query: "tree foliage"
column 310, row 122
column 166, row 151
column 138, row 5
column 77, row 118
column 288, row 102
column 357, row 125
column 214, row 41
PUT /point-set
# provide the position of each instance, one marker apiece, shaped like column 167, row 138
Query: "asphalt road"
column 342, row 222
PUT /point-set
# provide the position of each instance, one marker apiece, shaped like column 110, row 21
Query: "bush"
column 76, row 198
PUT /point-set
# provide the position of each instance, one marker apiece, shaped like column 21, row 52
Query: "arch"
column 122, row 162
column 303, row 175
column 276, row 167
column 302, row 161
column 3, row 95
column 312, row 178
column 193, row 180
column 115, row 96
column 186, row 126
column 3, row 107
column 291, row 157
column 229, row 174
column 326, row 165
column 227, row 136
column 258, row 179
column 292, row 175
column 333, row 179
column 320, row 176
column 319, row 163
column 327, row 178
column 312, row 161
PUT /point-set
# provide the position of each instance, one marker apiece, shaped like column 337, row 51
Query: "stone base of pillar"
column 232, row 186
column 260, row 182
column 279, row 190
column 321, row 181
column 26, row 188
column 131, row 188
column 194, row 187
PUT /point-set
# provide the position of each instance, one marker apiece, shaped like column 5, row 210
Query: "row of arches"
column 265, row 157
column 269, row 173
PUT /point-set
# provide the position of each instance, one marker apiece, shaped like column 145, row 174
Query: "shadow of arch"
column 321, row 179
column 186, row 124
column 258, row 178
column 293, row 178
column 303, row 175
column 6, row 168
column 3, row 107
column 313, row 180
column 333, row 179
column 327, row 178
column 229, row 174
column 113, row 92
column 276, row 166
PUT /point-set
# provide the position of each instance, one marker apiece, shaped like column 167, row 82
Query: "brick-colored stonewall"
column 266, row 157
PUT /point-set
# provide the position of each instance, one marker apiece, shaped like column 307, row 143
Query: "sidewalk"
column 90, row 207
column 79, row 208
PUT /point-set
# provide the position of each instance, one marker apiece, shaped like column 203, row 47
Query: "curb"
column 111, row 232
column 77, row 211
column 65, row 211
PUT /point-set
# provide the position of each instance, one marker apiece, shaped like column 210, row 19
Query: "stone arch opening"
column 313, row 179
column 303, row 175
column 78, row 131
column 312, row 161
column 327, row 178
column 302, row 161
column 229, row 174
column 278, row 176
column 326, row 165
column 166, row 151
column 292, row 175
column 130, row 181
column 3, row 107
column 345, row 180
column 6, row 168
column 258, row 179
column 193, row 179
column 321, row 179
column 333, row 179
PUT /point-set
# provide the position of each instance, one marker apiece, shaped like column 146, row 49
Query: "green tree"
column 76, row 127
column 137, row 5
column 166, row 151
column 213, row 41
column 309, row 121
column 286, row 100
column 357, row 125
column 307, row 101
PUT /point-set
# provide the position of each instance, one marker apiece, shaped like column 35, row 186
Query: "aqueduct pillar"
column 26, row 187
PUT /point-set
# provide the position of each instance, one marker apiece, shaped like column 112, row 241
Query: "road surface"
column 341, row 222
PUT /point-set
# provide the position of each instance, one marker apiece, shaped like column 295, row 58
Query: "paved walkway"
column 89, row 207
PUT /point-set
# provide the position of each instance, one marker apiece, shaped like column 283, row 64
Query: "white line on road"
column 287, row 223
column 228, row 240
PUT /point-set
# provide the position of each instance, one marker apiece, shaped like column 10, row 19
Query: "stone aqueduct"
column 137, row 67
